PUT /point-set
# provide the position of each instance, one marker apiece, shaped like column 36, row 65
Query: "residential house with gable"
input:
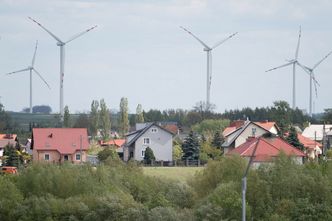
column 268, row 148
column 152, row 135
column 58, row 145
column 239, row 131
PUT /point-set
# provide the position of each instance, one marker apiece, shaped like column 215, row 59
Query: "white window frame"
column 76, row 155
column 143, row 152
column 146, row 143
column 154, row 130
column 48, row 156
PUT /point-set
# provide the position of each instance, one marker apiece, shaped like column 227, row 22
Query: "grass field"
column 181, row 174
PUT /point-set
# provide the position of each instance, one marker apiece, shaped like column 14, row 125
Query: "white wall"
column 248, row 133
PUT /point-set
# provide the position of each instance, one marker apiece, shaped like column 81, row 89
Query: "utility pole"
column 244, row 182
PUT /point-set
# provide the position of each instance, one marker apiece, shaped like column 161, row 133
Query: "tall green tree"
column 217, row 140
column 104, row 120
column 209, row 127
column 5, row 119
column 66, row 117
column 139, row 118
column 11, row 156
column 293, row 140
column 191, row 147
column 281, row 113
column 149, row 155
column 123, row 120
column 94, row 118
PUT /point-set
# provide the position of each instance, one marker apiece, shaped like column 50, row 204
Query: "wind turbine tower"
column 62, row 44
column 293, row 62
column 312, row 78
column 32, row 69
column 209, row 61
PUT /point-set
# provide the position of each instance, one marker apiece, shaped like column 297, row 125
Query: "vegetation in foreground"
column 115, row 191
column 180, row 174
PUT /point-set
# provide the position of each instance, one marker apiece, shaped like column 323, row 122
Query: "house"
column 317, row 131
column 329, row 139
column 312, row 148
column 238, row 132
column 117, row 143
column 268, row 148
column 58, row 145
column 6, row 139
column 151, row 135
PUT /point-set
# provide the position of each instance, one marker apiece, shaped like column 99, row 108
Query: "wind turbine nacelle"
column 206, row 49
column 60, row 44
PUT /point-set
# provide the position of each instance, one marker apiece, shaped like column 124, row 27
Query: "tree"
column 5, row 120
column 94, row 118
column 66, row 117
column 190, row 147
column 82, row 121
column 139, row 118
column 149, row 155
column 217, row 140
column 281, row 113
column 106, row 153
column 104, row 120
column 293, row 140
column 177, row 152
column 123, row 120
column 208, row 128
column 42, row 109
column 327, row 117
column 11, row 156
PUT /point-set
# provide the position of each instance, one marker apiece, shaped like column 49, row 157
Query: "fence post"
column 187, row 161
column 162, row 163
column 198, row 162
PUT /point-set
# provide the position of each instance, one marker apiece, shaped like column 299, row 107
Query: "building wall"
column 56, row 157
column 161, row 143
column 248, row 133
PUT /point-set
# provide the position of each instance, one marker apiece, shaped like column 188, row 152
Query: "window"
column 146, row 141
column 66, row 157
column 143, row 153
column 47, row 157
column 78, row 156
column 154, row 130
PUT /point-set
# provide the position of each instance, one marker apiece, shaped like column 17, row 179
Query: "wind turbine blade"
column 305, row 68
column 315, row 84
column 222, row 41
column 41, row 77
column 55, row 37
column 318, row 63
column 281, row 66
column 25, row 69
column 199, row 40
column 34, row 55
column 80, row 34
column 298, row 45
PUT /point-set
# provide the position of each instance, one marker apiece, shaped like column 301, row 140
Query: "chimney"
column 250, row 138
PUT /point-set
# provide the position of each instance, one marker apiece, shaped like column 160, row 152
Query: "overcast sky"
column 138, row 51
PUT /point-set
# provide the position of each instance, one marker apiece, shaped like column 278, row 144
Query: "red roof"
column 307, row 142
column 64, row 140
column 8, row 136
column 172, row 128
column 266, row 125
column 115, row 142
column 267, row 148
column 228, row 130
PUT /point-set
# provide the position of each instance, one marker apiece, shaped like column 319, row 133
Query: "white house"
column 151, row 135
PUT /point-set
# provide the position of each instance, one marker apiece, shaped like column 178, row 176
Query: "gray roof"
column 142, row 131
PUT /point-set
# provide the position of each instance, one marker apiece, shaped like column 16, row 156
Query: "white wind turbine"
column 310, row 71
column 62, row 44
column 292, row 62
column 32, row 68
column 209, row 61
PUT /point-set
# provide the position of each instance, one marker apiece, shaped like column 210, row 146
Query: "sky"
column 138, row 51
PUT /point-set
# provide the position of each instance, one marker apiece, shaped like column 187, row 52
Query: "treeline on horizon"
column 279, row 112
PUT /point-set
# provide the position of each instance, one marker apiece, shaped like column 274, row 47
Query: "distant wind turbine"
column 292, row 62
column 32, row 68
column 311, row 73
column 62, row 44
column 209, row 61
